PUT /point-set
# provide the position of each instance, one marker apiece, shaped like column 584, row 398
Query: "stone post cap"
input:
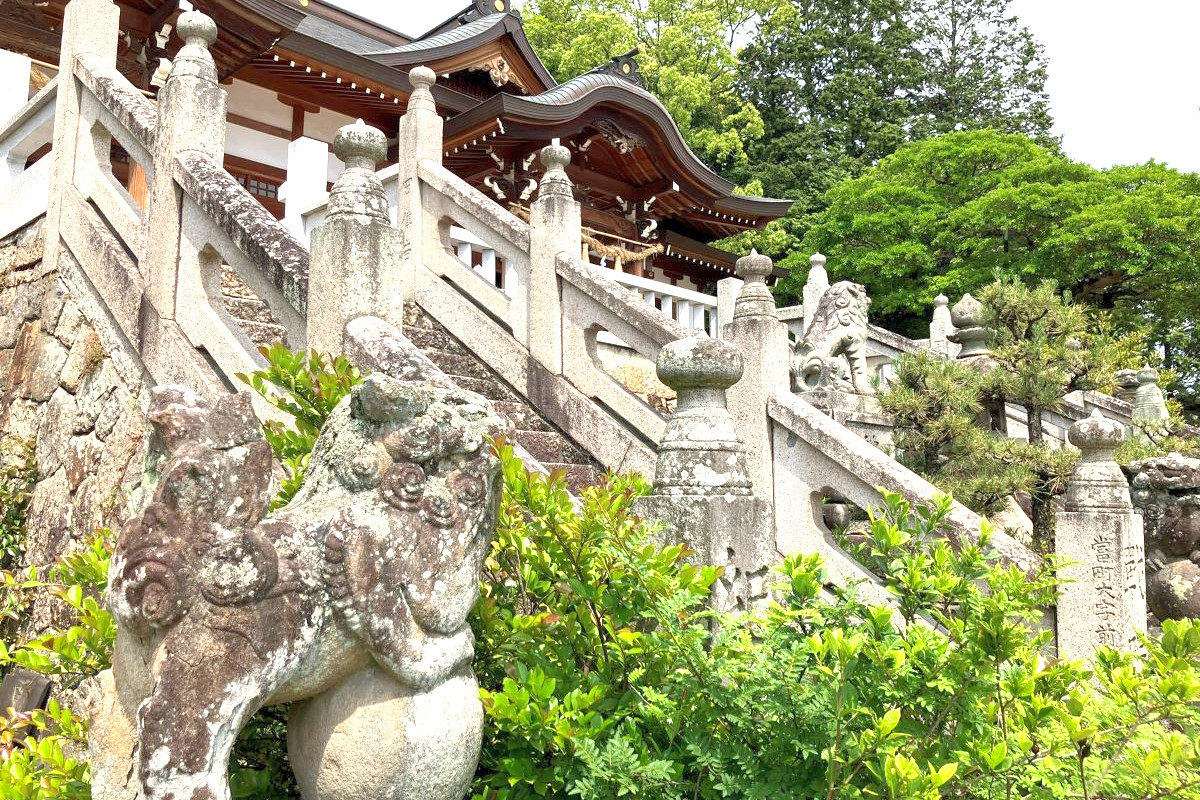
column 817, row 261
column 699, row 363
column 1096, row 435
column 754, row 267
column 1147, row 375
column 967, row 312
column 360, row 145
column 422, row 78
column 555, row 182
column 197, row 28
column 554, row 157
column 941, row 301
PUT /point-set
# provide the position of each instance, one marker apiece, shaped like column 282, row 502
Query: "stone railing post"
column 702, row 488
column 89, row 26
column 1149, row 405
column 554, row 229
column 814, row 286
column 354, row 262
column 307, row 172
column 419, row 138
column 941, row 328
column 1102, row 600
column 763, row 340
column 728, row 290
column 966, row 317
column 191, row 117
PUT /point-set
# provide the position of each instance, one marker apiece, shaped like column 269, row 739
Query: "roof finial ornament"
column 623, row 66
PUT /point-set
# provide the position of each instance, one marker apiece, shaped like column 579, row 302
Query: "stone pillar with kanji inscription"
column 1102, row 599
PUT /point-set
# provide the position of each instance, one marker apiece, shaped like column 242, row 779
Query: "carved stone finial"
column 941, row 301
column 755, row 299
column 555, row 158
column 422, row 78
column 1097, row 482
column 198, row 32
column 940, row 327
column 700, row 452
column 815, row 286
column 1149, row 405
column 358, row 189
column 967, row 317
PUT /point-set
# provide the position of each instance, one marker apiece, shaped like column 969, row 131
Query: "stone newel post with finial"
column 1102, row 600
column 88, row 26
column 419, row 139
column 814, row 286
column 702, row 487
column 554, row 230
column 762, row 338
column 191, row 117
column 354, row 266
column 941, row 328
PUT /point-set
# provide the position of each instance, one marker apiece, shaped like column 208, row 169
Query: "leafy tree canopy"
column 948, row 214
column 687, row 61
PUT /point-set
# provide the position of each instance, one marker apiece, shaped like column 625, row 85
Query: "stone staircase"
column 530, row 429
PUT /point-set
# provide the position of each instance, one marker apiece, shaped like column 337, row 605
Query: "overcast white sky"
column 1124, row 76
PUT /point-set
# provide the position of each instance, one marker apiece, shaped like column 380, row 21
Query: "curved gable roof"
column 446, row 47
column 569, row 101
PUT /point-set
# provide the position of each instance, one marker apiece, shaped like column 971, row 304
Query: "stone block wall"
column 61, row 393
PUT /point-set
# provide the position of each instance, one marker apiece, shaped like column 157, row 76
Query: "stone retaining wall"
column 61, row 393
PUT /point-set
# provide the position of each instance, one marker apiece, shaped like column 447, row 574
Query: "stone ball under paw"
column 1174, row 591
column 371, row 737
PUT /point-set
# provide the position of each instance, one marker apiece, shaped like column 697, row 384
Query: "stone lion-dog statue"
column 833, row 352
column 351, row 601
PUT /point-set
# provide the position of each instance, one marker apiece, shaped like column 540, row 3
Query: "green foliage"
column 40, row 748
column 948, row 214
column 843, row 83
column 604, row 676
column 18, row 470
column 687, row 59
column 307, row 386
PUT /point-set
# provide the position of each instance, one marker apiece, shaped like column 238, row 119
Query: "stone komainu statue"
column 833, row 352
column 1167, row 492
column 354, row 598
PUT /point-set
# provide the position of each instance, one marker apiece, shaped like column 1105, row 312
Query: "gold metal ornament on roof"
column 498, row 5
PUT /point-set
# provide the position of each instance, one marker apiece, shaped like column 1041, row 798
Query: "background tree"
column 946, row 215
column 688, row 59
column 982, row 69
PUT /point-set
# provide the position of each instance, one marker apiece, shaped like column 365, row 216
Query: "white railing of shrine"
column 25, row 186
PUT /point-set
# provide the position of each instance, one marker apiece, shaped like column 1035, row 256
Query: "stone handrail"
column 838, row 461
column 692, row 310
column 263, row 239
column 130, row 108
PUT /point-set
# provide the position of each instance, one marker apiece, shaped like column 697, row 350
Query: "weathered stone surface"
column 833, row 352
column 36, row 363
column 1102, row 600
column 402, row 743
column 1166, row 490
column 376, row 559
column 46, row 520
column 86, row 354
column 54, row 432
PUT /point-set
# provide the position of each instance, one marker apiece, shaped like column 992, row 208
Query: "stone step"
column 459, row 365
column 263, row 333
column 491, row 389
column 550, row 447
column 522, row 417
column 431, row 339
column 578, row 476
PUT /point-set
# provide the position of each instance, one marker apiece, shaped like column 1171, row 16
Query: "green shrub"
column 39, row 750
column 18, row 469
column 604, row 675
column 307, row 386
